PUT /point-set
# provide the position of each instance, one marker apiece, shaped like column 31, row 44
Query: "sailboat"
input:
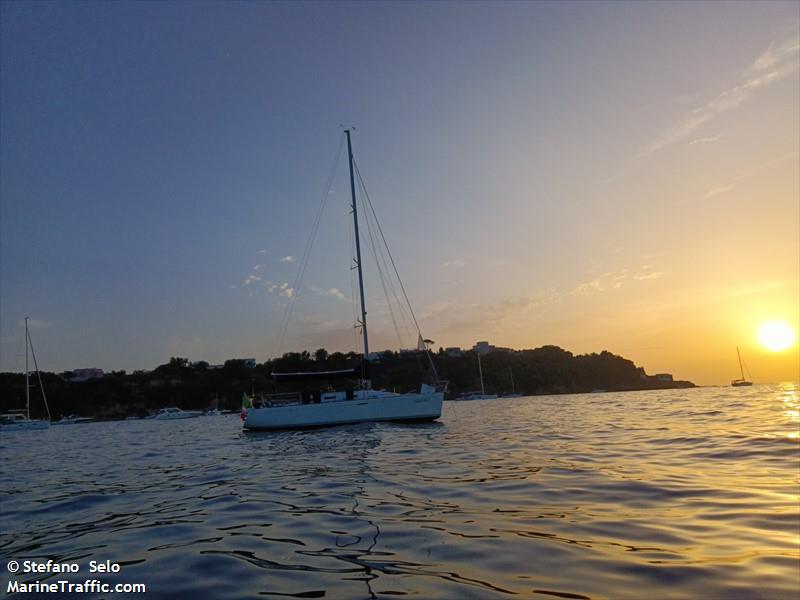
column 357, row 404
column 482, row 395
column 19, row 420
column 513, row 393
column 741, row 382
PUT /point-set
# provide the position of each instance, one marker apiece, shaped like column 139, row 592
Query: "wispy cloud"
column 261, row 252
column 588, row 288
column 716, row 191
column 251, row 279
column 745, row 174
column 778, row 61
column 287, row 259
column 614, row 280
column 454, row 263
column 332, row 292
column 704, row 140
column 651, row 275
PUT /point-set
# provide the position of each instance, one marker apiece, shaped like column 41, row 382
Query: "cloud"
column 718, row 190
column 335, row 293
column 251, row 279
column 778, row 61
column 455, row 263
column 613, row 281
column 261, row 252
column 704, row 140
column 455, row 316
column 287, row 259
column 652, row 275
column 281, row 288
column 332, row 292
column 257, row 267
column 745, row 174
column 588, row 289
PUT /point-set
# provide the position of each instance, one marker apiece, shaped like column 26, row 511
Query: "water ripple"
column 671, row 494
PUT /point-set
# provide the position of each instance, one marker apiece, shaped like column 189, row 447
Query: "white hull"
column 171, row 414
column 366, row 407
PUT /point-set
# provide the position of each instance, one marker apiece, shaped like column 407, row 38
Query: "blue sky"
column 524, row 158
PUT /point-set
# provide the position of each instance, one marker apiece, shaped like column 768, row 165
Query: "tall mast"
column 480, row 373
column 741, row 369
column 358, row 247
column 27, row 374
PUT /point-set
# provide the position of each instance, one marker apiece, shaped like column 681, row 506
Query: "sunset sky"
column 598, row 176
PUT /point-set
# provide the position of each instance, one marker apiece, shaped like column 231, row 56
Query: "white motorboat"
column 19, row 420
column 72, row 419
column 171, row 413
column 358, row 403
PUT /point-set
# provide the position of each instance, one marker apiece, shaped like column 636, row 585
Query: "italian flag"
column 245, row 405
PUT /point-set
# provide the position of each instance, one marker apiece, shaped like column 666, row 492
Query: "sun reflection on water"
column 790, row 396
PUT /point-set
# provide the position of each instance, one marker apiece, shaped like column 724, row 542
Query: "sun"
column 776, row 335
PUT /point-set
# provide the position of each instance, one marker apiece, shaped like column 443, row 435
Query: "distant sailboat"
column 19, row 420
column 513, row 393
column 482, row 395
column 741, row 382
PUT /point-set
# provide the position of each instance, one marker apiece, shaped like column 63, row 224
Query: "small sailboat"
column 358, row 402
column 19, row 420
column 742, row 382
column 482, row 395
column 513, row 393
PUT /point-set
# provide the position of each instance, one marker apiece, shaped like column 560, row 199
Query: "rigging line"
column 382, row 255
column 749, row 376
column 405, row 320
column 39, row 376
column 380, row 274
column 392, row 292
column 394, row 266
column 298, row 281
column 399, row 280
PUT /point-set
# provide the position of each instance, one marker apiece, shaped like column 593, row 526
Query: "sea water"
column 660, row 494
